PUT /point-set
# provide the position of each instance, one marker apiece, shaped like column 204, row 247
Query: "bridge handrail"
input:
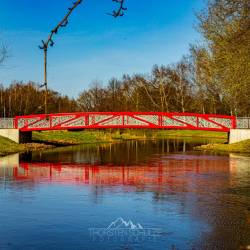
column 7, row 123
column 128, row 113
column 243, row 122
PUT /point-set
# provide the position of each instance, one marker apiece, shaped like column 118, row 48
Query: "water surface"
column 192, row 200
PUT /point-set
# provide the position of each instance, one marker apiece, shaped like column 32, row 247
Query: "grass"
column 70, row 137
column 9, row 147
column 100, row 136
column 190, row 133
column 238, row 147
column 83, row 137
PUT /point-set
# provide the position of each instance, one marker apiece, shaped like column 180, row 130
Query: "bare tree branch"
column 62, row 23
column 120, row 11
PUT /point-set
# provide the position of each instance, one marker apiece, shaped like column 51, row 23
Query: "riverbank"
column 102, row 136
column 66, row 138
column 8, row 147
column 238, row 147
column 49, row 139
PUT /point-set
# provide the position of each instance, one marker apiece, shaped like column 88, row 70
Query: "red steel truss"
column 144, row 120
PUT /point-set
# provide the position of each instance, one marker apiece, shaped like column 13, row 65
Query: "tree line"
column 214, row 77
column 28, row 98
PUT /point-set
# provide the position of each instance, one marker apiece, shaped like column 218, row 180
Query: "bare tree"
column 63, row 23
column 147, row 86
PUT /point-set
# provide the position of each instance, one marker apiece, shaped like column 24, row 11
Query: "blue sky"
column 94, row 46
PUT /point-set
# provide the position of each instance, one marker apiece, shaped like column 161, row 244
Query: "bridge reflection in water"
column 173, row 172
column 146, row 165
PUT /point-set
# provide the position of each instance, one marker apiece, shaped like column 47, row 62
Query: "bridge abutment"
column 237, row 135
column 16, row 135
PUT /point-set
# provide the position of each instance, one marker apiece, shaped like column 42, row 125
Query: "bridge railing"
column 243, row 122
column 6, row 123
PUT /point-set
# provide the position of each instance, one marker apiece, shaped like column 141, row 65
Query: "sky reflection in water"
column 198, row 201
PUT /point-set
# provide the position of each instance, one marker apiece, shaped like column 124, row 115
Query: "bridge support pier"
column 16, row 135
column 237, row 135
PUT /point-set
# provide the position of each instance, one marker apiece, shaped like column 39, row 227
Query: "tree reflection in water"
column 206, row 188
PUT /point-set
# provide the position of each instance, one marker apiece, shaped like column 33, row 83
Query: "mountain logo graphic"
column 120, row 223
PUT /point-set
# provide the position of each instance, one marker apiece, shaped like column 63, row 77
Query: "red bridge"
column 136, row 120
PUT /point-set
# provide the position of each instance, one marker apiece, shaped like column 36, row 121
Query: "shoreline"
column 8, row 147
column 238, row 147
column 51, row 139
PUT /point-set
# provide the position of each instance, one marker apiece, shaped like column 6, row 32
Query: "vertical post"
column 45, row 81
column 15, row 123
column 137, row 102
column 234, row 122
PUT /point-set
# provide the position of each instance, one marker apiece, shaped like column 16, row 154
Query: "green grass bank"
column 238, row 147
column 100, row 136
column 9, row 147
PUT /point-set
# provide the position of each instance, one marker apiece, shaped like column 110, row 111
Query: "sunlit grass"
column 71, row 137
column 96, row 136
column 238, row 147
column 9, row 147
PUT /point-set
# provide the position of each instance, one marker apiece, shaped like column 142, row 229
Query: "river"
column 131, row 195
